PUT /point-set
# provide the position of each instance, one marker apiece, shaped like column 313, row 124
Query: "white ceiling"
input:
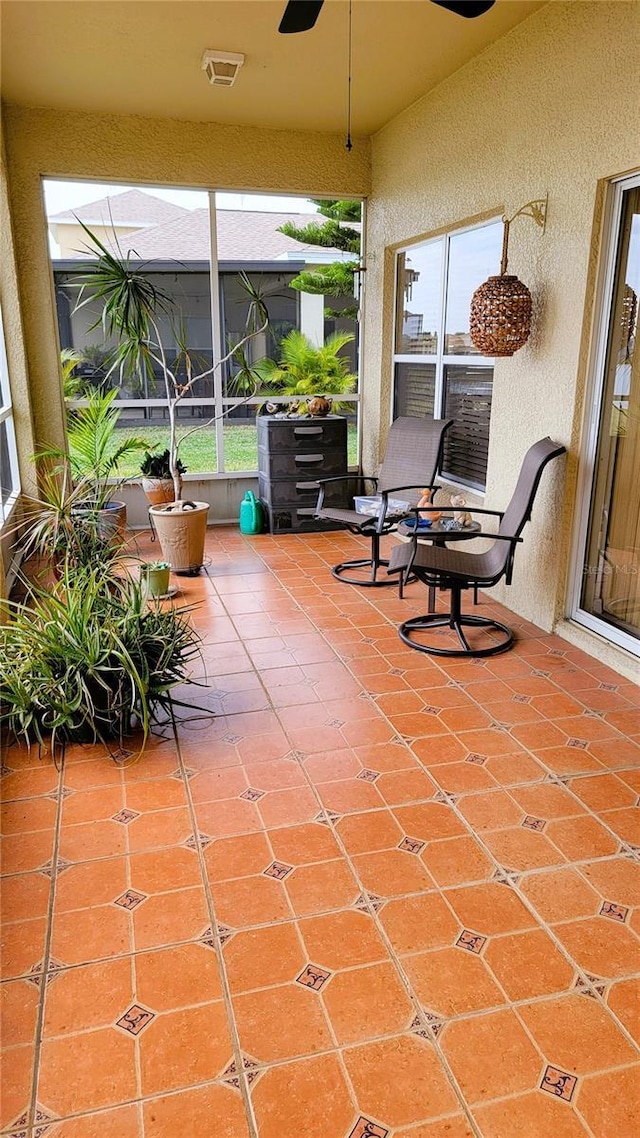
column 143, row 57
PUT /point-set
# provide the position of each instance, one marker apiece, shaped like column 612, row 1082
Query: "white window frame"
column 439, row 359
column 219, row 403
column 592, row 419
column 6, row 416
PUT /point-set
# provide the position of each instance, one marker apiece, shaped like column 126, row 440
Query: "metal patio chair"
column 411, row 462
column 438, row 566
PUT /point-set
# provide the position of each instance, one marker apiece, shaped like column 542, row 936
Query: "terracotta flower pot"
column 159, row 490
column 181, row 528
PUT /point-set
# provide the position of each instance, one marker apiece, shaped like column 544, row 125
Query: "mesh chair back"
column 518, row 511
column 412, row 457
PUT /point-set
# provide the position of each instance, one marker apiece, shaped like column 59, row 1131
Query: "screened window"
column 9, row 477
column 438, row 371
column 192, row 246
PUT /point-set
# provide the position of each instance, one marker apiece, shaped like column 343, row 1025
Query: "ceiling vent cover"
column 221, row 67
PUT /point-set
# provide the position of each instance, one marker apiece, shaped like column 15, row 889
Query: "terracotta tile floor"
column 374, row 895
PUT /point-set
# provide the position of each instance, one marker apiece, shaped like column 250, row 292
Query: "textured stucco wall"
column 110, row 148
column 552, row 107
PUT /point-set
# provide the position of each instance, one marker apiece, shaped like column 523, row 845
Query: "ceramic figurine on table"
column 427, row 501
column 461, row 516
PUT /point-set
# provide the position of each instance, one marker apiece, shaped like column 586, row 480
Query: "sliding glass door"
column 609, row 593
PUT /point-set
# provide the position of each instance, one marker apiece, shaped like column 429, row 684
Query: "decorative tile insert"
column 224, row 933
column 472, row 942
column 446, row 797
column 232, row 739
column 474, row 757
column 368, row 775
column 313, row 977
column 558, row 1083
column 135, row 1019
column 429, row 709
column 337, row 723
column 531, row 823
column 365, row 1128
column 326, row 817
column 252, row 795
column 125, row 817
column 202, row 841
column 506, row 876
column 539, row 672
column 130, row 899
column 591, row 986
column 608, row 687
column 411, row 845
column 580, row 743
column 121, row 755
column 369, row 900
column 517, row 698
column 36, row 974
column 42, row 1120
column 613, row 911
column 207, row 938
column 396, row 671
column 231, row 1074
column 278, row 869
column 427, row 1027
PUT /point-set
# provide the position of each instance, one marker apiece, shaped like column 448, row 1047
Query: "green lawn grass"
column 198, row 453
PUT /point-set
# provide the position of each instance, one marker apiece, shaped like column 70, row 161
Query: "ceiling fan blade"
column 300, row 16
column 467, row 8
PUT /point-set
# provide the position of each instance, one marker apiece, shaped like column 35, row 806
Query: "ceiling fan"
column 301, row 15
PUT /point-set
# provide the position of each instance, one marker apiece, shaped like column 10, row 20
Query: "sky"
column 69, row 195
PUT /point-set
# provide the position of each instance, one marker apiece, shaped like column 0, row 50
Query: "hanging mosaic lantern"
column 500, row 321
column 500, row 318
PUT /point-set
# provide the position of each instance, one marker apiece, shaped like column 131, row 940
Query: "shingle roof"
column 243, row 235
column 132, row 207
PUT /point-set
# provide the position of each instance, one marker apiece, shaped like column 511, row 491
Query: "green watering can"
column 251, row 514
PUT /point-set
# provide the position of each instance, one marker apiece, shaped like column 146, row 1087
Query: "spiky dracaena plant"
column 89, row 659
column 132, row 307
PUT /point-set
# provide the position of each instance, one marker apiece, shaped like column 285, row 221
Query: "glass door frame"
column 594, row 397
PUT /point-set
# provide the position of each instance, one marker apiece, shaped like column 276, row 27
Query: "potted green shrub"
column 155, row 577
column 157, row 482
column 309, row 371
column 132, row 310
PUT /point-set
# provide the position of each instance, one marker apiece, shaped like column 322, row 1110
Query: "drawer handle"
column 307, row 431
column 307, row 487
column 309, row 459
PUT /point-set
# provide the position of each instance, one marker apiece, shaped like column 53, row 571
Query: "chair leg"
column 456, row 621
column 373, row 563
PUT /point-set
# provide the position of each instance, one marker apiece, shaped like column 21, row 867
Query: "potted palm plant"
column 94, row 456
column 315, row 374
column 132, row 310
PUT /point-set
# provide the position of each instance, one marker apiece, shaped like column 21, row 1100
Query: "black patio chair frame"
column 412, row 460
column 455, row 570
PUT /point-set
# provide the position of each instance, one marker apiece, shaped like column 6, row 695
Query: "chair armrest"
column 322, row 482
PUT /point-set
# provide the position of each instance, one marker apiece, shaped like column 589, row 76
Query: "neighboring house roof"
column 243, row 235
column 131, row 207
